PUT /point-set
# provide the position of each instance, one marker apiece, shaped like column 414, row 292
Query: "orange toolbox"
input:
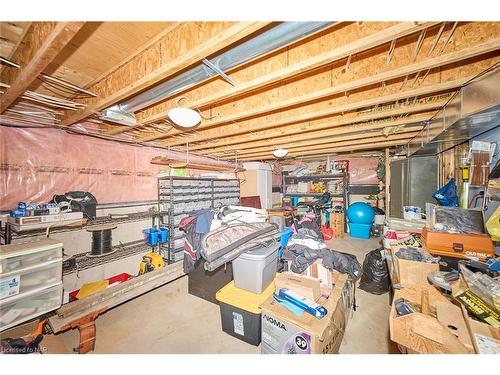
column 457, row 245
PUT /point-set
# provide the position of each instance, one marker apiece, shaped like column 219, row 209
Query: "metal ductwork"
column 277, row 37
column 474, row 110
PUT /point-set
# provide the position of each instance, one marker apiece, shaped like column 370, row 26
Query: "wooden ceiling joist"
column 431, row 63
column 353, row 132
column 235, row 130
column 360, row 45
column 14, row 32
column 141, row 49
column 343, row 134
column 329, row 142
column 111, row 90
column 403, row 137
column 48, row 40
column 285, row 134
column 333, row 150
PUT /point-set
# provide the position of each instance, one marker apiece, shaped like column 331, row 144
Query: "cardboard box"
column 485, row 338
column 410, row 272
column 475, row 305
column 446, row 332
column 286, row 333
column 307, row 286
column 324, row 275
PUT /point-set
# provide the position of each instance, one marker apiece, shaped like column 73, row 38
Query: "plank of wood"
column 466, row 53
column 232, row 35
column 401, row 30
column 199, row 166
column 313, row 141
column 451, row 317
column 115, row 296
column 138, row 51
column 327, row 146
column 10, row 31
column 60, row 36
column 297, row 132
column 336, row 150
column 6, row 47
column 354, row 133
column 387, row 182
column 228, row 130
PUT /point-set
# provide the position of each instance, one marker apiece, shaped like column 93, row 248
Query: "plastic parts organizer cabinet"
column 30, row 280
column 178, row 196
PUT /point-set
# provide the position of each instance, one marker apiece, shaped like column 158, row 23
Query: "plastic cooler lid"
column 260, row 253
column 243, row 299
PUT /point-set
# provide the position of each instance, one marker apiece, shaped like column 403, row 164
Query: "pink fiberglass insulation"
column 362, row 171
column 38, row 163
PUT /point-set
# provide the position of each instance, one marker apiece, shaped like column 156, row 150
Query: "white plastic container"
column 255, row 270
column 19, row 256
column 379, row 220
column 44, row 275
column 26, row 306
column 412, row 213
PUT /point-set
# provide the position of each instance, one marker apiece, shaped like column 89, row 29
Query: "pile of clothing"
column 306, row 246
column 418, row 255
column 220, row 236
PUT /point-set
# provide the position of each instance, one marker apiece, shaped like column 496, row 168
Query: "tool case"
column 457, row 245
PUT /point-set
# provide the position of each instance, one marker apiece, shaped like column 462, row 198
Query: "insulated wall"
column 38, row 163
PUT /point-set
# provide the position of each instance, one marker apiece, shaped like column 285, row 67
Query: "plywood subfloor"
column 169, row 320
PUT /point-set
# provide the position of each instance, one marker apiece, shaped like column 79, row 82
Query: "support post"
column 387, row 182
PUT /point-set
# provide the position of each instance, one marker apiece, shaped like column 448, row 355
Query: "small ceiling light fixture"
column 184, row 117
column 280, row 152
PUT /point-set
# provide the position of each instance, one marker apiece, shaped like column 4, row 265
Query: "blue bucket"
column 163, row 237
column 151, row 236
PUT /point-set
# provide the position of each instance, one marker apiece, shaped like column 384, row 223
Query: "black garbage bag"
column 375, row 277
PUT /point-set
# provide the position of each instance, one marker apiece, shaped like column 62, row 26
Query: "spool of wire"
column 101, row 240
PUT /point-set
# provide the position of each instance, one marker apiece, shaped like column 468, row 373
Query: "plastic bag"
column 375, row 277
column 447, row 195
column 493, row 225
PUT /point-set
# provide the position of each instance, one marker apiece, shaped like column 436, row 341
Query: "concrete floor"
column 169, row 320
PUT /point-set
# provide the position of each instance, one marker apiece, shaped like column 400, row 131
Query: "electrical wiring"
column 75, row 132
column 65, row 94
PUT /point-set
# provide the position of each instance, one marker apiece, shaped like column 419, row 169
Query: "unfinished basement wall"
column 35, row 164
column 38, row 163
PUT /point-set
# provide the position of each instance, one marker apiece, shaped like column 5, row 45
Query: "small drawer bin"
column 23, row 307
column 19, row 256
column 29, row 279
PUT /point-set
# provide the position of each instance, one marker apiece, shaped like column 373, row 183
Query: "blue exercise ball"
column 361, row 213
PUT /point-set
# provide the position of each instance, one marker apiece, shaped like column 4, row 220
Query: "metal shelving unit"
column 178, row 196
column 344, row 177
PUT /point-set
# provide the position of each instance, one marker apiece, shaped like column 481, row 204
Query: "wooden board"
column 424, row 333
column 146, row 69
column 115, row 296
column 301, row 67
column 313, row 129
column 37, row 58
column 329, row 109
column 314, row 90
